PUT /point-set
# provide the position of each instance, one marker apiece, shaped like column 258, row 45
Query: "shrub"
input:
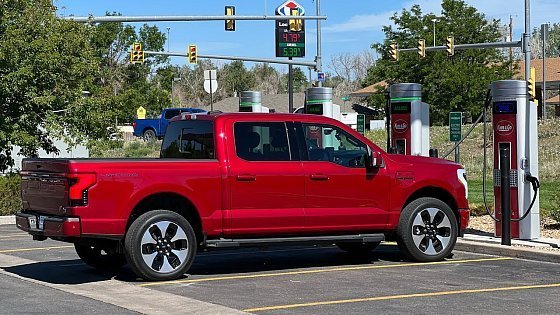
column 10, row 200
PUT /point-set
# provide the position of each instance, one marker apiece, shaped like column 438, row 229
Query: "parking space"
column 309, row 279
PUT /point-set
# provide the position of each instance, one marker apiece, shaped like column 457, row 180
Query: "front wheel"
column 427, row 230
column 160, row 245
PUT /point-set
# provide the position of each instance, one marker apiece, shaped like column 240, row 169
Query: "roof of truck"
column 258, row 116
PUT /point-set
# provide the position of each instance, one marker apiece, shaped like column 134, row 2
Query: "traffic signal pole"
column 254, row 59
column 183, row 18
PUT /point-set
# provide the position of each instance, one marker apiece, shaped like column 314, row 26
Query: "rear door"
column 340, row 194
column 266, row 180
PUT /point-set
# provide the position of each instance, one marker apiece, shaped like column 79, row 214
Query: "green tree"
column 456, row 83
column 234, row 77
column 45, row 63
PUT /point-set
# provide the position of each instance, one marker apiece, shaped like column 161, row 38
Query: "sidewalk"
column 542, row 249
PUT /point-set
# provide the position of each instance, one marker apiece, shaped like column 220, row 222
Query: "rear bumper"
column 464, row 217
column 50, row 226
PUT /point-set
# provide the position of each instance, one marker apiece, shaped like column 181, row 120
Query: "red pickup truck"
column 244, row 179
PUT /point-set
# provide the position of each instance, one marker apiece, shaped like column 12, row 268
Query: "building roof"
column 552, row 71
column 553, row 100
column 278, row 102
column 369, row 90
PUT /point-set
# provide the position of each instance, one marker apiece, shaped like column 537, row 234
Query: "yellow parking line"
column 265, row 275
column 402, row 296
column 3, row 251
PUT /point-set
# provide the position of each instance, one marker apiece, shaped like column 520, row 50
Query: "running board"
column 239, row 242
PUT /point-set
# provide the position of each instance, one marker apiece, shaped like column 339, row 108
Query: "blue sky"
column 352, row 25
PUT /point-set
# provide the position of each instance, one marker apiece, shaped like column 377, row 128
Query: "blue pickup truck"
column 151, row 129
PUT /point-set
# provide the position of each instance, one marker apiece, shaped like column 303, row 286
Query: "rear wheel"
column 427, row 230
column 160, row 245
column 149, row 135
column 102, row 257
column 358, row 248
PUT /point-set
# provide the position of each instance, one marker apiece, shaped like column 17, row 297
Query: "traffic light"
column 230, row 24
column 394, row 53
column 421, row 48
column 531, row 85
column 137, row 54
column 193, row 56
column 296, row 25
column 450, row 46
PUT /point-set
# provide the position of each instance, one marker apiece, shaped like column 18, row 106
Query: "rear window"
column 189, row 139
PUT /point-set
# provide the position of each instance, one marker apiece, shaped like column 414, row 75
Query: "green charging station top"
column 249, row 98
column 316, row 94
column 508, row 89
column 406, row 92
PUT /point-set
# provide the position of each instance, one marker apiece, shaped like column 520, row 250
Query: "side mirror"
column 374, row 159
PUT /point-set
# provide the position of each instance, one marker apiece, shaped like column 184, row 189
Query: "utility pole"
column 319, row 67
column 290, row 88
column 510, row 39
column 168, row 39
column 544, row 35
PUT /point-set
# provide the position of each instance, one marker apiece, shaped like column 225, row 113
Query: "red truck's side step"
column 255, row 242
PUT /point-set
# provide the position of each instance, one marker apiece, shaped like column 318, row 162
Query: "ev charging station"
column 250, row 101
column 515, row 129
column 318, row 101
column 410, row 120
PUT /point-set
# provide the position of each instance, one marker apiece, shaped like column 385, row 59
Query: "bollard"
column 505, row 193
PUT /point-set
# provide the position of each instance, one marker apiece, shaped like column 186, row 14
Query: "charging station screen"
column 316, row 109
column 400, row 108
column 509, row 107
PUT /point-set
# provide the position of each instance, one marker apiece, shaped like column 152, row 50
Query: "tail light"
column 134, row 125
column 78, row 188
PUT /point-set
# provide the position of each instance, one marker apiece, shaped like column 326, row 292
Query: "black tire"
column 358, row 248
column 427, row 230
column 100, row 257
column 158, row 255
column 149, row 135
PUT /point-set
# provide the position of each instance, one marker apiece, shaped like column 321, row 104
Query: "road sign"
column 321, row 77
column 208, row 83
column 361, row 124
column 345, row 98
column 290, row 43
column 141, row 113
column 455, row 124
column 287, row 7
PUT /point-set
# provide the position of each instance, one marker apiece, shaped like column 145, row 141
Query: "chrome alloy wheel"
column 431, row 231
column 164, row 246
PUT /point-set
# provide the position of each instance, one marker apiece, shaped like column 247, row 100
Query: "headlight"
column 462, row 176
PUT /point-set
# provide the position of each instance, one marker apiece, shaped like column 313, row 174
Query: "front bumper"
column 464, row 217
column 48, row 226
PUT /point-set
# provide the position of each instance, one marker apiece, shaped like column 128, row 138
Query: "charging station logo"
column 504, row 127
column 400, row 126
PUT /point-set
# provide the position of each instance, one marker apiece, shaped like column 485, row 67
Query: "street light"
column 434, row 20
column 168, row 39
column 173, row 88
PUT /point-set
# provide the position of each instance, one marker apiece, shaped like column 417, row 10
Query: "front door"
column 266, row 181
column 340, row 194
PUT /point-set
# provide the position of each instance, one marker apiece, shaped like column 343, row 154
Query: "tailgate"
column 44, row 185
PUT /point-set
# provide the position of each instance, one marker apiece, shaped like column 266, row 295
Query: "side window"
column 331, row 144
column 256, row 141
column 171, row 113
column 191, row 139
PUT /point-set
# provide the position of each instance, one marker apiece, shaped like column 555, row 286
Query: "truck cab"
column 151, row 129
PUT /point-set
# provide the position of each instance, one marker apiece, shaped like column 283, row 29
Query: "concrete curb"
column 508, row 251
column 7, row 220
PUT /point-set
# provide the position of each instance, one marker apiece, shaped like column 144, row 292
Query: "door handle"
column 246, row 178
column 319, row 177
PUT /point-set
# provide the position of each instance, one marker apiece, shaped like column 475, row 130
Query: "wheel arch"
column 169, row 201
column 437, row 193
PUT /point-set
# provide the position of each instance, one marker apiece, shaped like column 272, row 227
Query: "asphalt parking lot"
column 276, row 280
